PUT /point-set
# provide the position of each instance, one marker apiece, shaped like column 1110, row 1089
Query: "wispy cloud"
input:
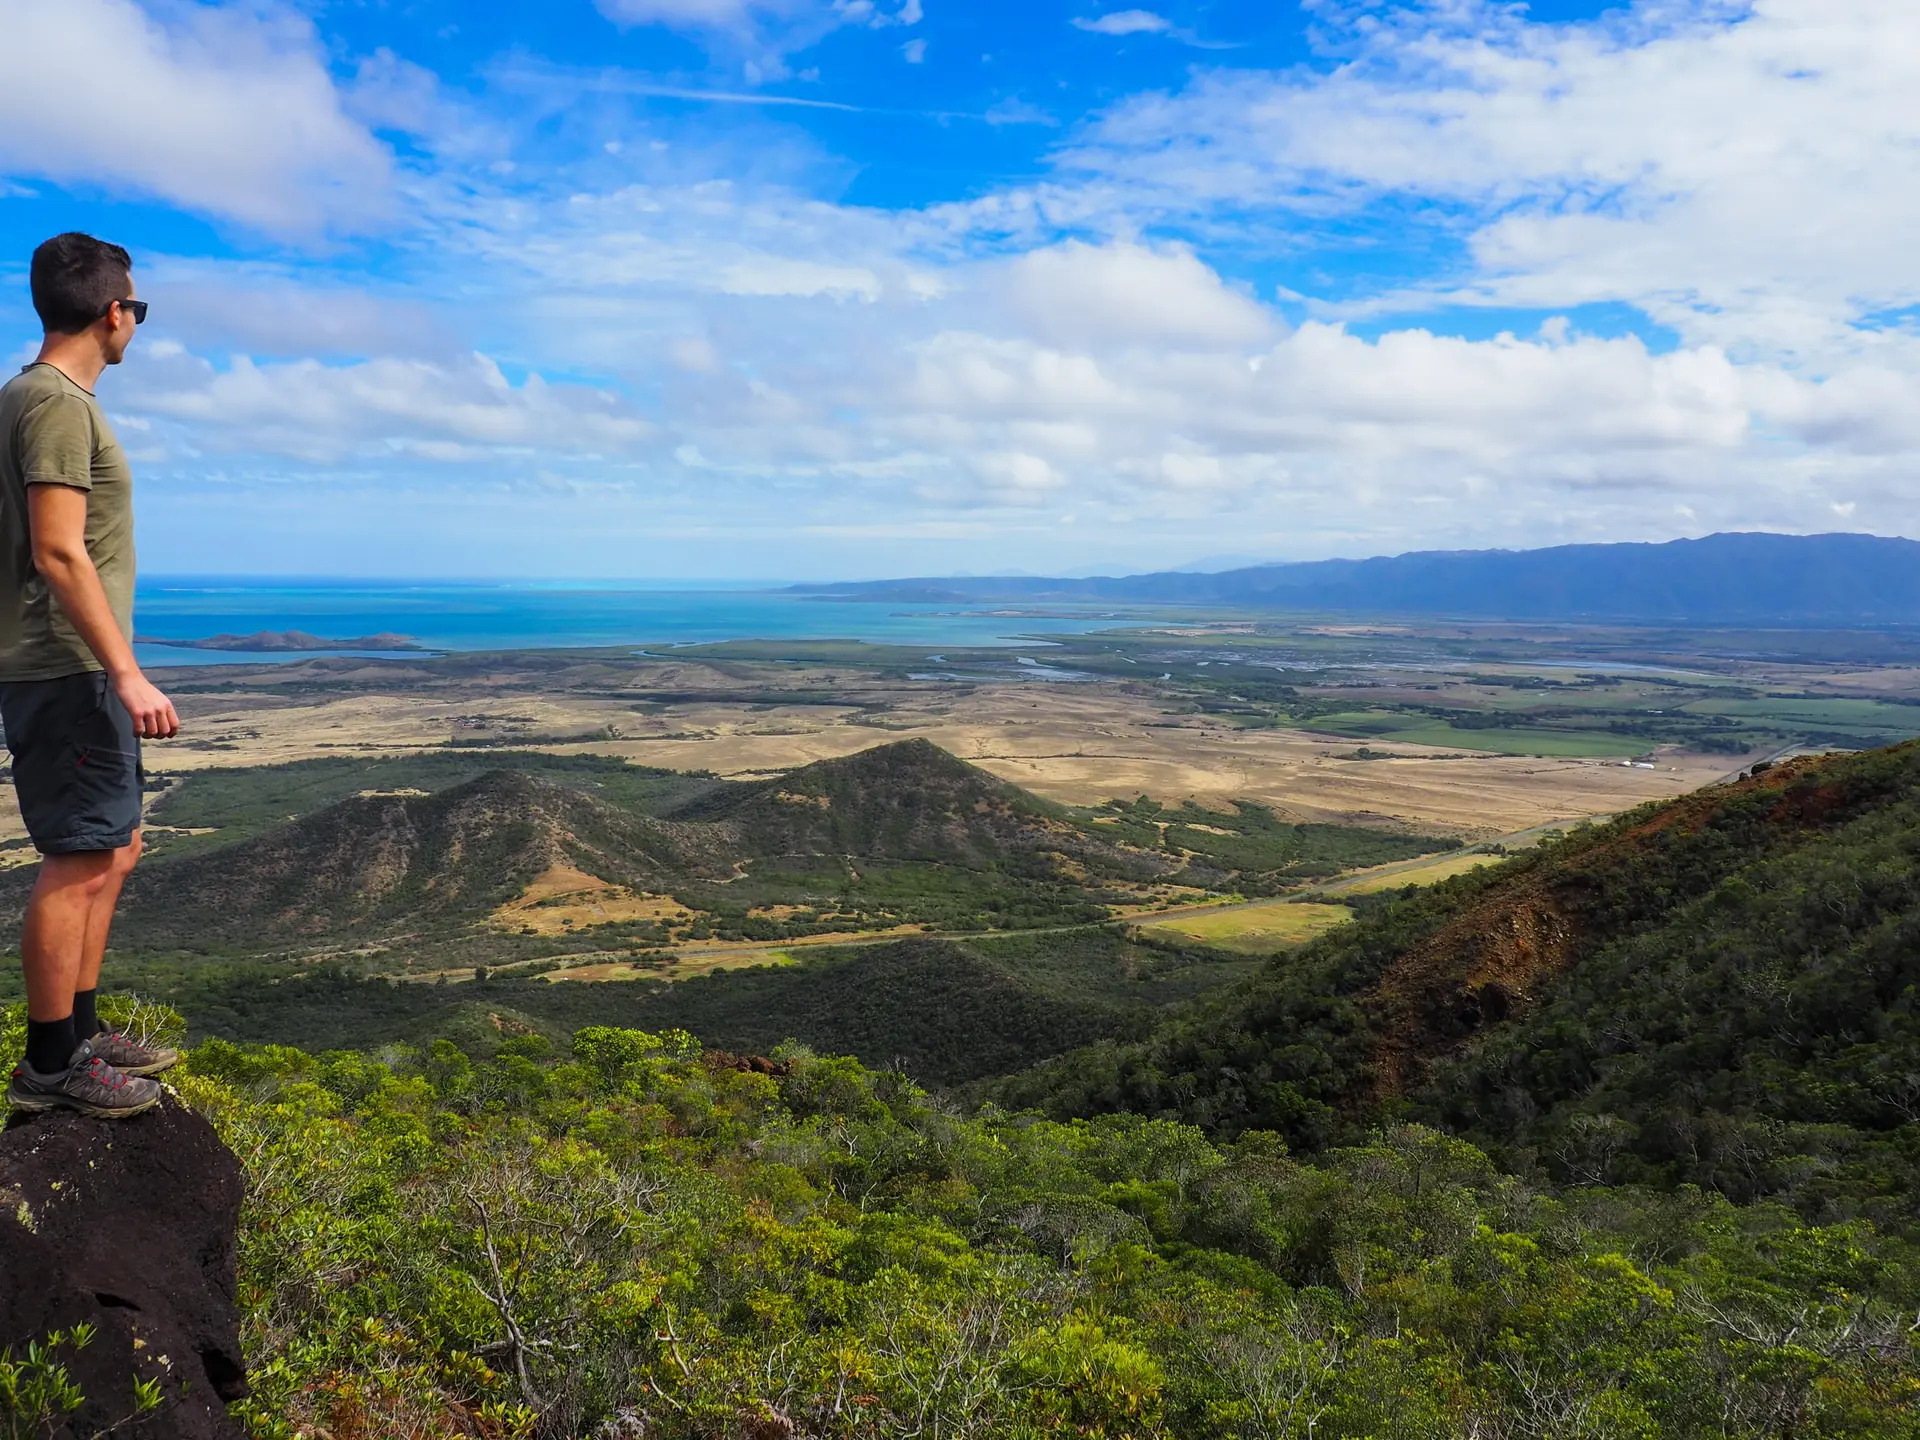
column 1124, row 22
column 614, row 82
column 761, row 34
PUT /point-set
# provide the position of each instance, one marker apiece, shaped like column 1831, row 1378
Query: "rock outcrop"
column 129, row 1226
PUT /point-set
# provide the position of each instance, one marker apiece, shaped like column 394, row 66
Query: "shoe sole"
column 20, row 1100
column 170, row 1058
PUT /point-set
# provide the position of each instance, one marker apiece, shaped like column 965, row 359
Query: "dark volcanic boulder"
column 128, row 1226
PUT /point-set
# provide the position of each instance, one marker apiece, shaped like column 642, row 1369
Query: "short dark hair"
column 74, row 278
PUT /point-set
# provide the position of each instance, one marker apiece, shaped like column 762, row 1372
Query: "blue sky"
column 823, row 288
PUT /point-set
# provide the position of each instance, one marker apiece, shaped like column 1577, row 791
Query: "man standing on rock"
column 73, row 700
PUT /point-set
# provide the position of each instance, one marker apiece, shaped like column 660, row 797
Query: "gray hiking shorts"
column 76, row 762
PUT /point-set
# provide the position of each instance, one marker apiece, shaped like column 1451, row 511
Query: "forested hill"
column 409, row 861
column 910, row 800
column 1743, row 578
column 413, row 858
column 1718, row 991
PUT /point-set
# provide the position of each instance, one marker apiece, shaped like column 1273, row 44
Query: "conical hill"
column 909, row 800
column 378, row 859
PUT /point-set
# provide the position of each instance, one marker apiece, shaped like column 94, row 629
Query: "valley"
column 509, row 840
column 354, row 902
column 1473, row 730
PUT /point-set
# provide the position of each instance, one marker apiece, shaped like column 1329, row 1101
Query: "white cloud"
column 1871, row 409
column 774, row 276
column 377, row 408
column 674, row 243
column 1126, row 383
column 1421, row 406
column 1015, row 111
column 1129, row 294
column 1748, row 174
column 914, row 52
column 733, row 15
column 225, row 111
column 1013, row 477
column 264, row 310
column 1133, row 378
column 1125, row 22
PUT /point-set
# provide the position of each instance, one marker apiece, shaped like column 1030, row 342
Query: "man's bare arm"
column 57, row 520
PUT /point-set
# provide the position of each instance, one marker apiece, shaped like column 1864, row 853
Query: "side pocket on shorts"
column 99, row 738
column 105, row 769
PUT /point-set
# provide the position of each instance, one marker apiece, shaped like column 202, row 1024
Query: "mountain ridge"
column 1721, row 990
column 1737, row 577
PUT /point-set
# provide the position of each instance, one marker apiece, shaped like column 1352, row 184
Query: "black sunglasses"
column 136, row 308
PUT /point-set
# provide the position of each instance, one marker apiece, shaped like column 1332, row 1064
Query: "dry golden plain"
column 1074, row 743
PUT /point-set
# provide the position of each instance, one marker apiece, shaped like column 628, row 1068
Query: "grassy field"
column 1429, row 873
column 1255, row 929
column 1505, row 740
column 1830, row 720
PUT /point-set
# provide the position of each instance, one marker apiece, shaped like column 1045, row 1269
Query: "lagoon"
column 522, row 615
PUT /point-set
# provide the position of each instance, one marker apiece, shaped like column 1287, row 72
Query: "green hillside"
column 1717, row 992
column 941, row 1012
column 410, row 857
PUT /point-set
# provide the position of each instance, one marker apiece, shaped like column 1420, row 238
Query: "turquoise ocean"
column 523, row 615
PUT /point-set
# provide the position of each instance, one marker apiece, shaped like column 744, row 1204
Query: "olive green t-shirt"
column 52, row 432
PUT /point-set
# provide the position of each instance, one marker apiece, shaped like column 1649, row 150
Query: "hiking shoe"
column 129, row 1056
column 88, row 1085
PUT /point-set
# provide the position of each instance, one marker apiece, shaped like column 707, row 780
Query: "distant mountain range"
column 1730, row 579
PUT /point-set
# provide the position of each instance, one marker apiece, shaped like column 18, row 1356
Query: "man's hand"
column 153, row 715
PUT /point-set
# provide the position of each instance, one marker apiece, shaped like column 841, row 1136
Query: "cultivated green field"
column 1255, row 929
column 1507, row 740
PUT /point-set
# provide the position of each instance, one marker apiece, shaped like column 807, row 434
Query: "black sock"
column 86, row 1024
column 50, row 1044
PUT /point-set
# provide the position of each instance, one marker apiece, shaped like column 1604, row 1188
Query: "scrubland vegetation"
column 633, row 1239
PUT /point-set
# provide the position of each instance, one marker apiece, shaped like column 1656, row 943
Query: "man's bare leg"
column 68, row 916
column 53, row 944
column 100, row 914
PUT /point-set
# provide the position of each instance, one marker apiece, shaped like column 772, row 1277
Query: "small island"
column 284, row 640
